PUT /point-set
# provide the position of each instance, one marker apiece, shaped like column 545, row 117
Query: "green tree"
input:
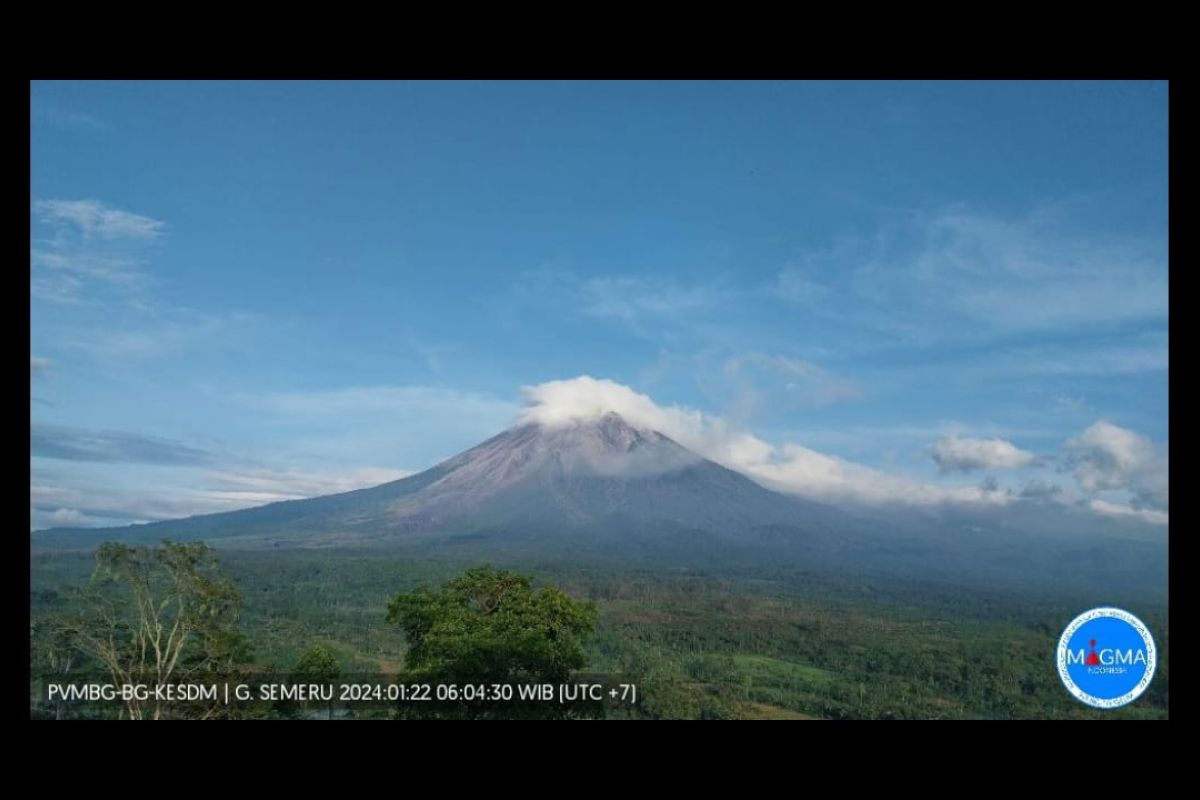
column 318, row 665
column 52, row 655
column 489, row 627
column 158, row 615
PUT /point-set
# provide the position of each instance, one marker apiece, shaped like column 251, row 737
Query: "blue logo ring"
column 1118, row 671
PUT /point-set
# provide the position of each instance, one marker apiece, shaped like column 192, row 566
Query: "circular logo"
column 1106, row 657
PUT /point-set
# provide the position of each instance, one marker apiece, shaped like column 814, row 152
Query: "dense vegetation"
column 490, row 627
column 700, row 643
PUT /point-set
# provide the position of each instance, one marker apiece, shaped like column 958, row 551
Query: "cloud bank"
column 787, row 467
column 1104, row 457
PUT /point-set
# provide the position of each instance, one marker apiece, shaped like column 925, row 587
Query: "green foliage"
column 318, row 664
column 150, row 615
column 777, row 642
column 490, row 626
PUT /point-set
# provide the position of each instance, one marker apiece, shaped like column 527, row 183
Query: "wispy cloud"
column 1140, row 353
column 647, row 306
column 291, row 484
column 65, row 118
column 636, row 300
column 333, row 440
column 89, row 252
column 923, row 271
column 1071, row 404
column 112, row 269
column 90, row 499
column 93, row 218
column 81, row 444
column 62, row 289
column 37, row 365
column 762, row 380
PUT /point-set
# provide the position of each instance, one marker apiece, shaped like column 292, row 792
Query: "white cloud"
column 1105, row 456
column 955, row 454
column 37, row 365
column 1117, row 510
column 562, row 402
column 788, row 467
column 1108, row 457
column 793, row 468
column 798, row 469
column 93, row 218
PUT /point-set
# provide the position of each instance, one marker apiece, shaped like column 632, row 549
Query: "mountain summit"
column 599, row 476
column 602, row 488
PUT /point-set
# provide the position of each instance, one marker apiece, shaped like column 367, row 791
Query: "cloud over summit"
column 1103, row 457
column 786, row 467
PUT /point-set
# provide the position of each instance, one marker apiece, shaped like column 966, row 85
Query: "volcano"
column 602, row 488
column 602, row 478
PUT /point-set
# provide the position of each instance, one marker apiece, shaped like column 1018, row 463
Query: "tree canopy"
column 156, row 615
column 490, row 626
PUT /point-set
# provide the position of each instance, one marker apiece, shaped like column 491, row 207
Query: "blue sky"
column 242, row 292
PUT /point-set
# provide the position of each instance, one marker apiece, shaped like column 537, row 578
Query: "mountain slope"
column 602, row 478
column 605, row 490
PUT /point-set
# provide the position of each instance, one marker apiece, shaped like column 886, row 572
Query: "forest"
column 734, row 643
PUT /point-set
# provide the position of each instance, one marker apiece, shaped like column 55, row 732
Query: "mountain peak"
column 606, row 444
column 606, row 419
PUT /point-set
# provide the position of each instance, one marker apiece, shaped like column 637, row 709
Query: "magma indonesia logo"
column 1106, row 657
